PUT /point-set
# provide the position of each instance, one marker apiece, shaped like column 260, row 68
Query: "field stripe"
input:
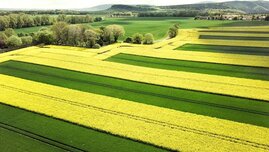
column 246, row 88
column 41, row 103
column 220, row 106
column 226, row 49
column 57, row 129
column 191, row 66
column 43, row 139
column 241, row 38
column 146, row 120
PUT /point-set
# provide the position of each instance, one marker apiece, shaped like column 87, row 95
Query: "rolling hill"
column 236, row 6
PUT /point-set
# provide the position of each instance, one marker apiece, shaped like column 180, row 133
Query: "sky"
column 66, row 4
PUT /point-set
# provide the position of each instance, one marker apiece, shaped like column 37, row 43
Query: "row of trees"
column 190, row 13
column 26, row 20
column 62, row 33
column 9, row 39
column 138, row 38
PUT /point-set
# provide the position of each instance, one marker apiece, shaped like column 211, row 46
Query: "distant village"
column 250, row 17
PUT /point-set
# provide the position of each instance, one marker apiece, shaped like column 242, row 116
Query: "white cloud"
column 61, row 4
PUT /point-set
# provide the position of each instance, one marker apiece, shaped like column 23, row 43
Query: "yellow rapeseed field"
column 168, row 128
column 255, row 89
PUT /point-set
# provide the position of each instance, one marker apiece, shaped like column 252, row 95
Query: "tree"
column 37, row 20
column 20, row 22
column 173, row 31
column 44, row 36
column 90, row 38
column 13, row 20
column 59, row 30
column 75, row 35
column 137, row 38
column 14, row 41
column 117, row 31
column 3, row 40
column 128, row 40
column 107, row 35
column 45, row 20
column 148, row 39
column 9, row 32
column 267, row 18
column 61, row 18
column 26, row 40
column 4, row 23
column 98, row 19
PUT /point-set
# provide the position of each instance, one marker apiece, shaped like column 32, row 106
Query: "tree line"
column 26, row 20
column 191, row 13
column 62, row 33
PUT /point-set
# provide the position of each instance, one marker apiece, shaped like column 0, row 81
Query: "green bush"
column 137, row 38
column 26, row 40
column 148, row 39
column 128, row 40
column 14, row 41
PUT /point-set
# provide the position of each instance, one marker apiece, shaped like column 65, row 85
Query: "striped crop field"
column 182, row 94
column 193, row 66
column 263, row 51
column 221, row 37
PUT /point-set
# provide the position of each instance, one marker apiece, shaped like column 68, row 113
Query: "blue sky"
column 61, row 4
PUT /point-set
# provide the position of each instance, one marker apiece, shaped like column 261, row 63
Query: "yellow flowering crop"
column 255, row 89
column 159, row 126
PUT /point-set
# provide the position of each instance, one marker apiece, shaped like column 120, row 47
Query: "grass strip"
column 193, row 66
column 226, row 49
column 77, row 137
column 13, row 141
column 248, row 38
column 227, row 107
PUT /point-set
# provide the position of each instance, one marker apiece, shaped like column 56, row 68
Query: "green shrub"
column 148, row 39
column 128, row 40
column 137, row 38
column 26, row 40
column 14, row 41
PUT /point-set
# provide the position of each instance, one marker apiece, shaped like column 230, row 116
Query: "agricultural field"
column 205, row 90
column 155, row 25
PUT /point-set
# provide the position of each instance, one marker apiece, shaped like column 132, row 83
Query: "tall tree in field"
column 59, row 30
column 90, row 38
column 116, row 30
column 75, row 35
